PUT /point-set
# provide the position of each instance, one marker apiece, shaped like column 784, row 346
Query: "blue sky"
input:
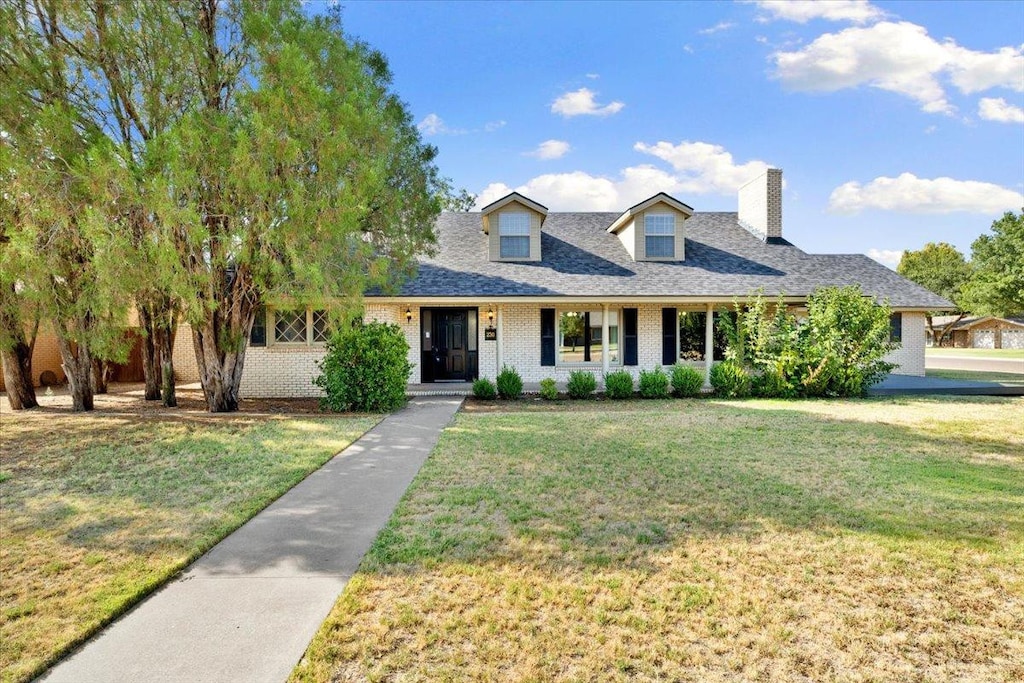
column 895, row 124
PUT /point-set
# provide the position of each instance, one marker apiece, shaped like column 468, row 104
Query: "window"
column 660, row 235
column 258, row 335
column 514, row 234
column 300, row 327
column 896, row 327
column 691, row 335
column 321, row 333
column 580, row 337
column 290, row 327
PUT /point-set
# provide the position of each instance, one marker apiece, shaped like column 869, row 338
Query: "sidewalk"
column 247, row 609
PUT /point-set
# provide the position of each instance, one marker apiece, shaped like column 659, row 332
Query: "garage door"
column 1013, row 339
column 984, row 339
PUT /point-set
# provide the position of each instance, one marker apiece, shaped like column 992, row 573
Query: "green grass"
column 975, row 353
column 977, row 375
column 100, row 509
column 699, row 540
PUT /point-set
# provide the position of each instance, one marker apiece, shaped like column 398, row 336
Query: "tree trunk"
column 150, row 354
column 220, row 343
column 16, row 358
column 166, row 345
column 17, row 368
column 101, row 371
column 77, row 363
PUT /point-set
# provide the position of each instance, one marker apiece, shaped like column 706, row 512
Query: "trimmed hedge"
column 582, row 384
column 510, row 384
column 484, row 388
column 618, row 384
column 654, row 383
column 548, row 389
column 686, row 381
column 730, row 379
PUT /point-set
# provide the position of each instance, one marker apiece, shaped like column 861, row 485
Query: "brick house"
column 980, row 332
column 547, row 293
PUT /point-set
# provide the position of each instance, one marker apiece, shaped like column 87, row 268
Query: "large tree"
column 299, row 177
column 53, row 145
column 997, row 287
column 942, row 269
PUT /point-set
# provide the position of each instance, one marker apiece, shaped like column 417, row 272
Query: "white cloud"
column 593, row 77
column 698, row 168
column 802, row 11
column 899, row 57
column 432, row 124
column 704, row 167
column 998, row 109
column 492, row 126
column 930, row 129
column 688, row 49
column 550, row 149
column 887, row 257
column 581, row 102
column 910, row 194
column 720, row 26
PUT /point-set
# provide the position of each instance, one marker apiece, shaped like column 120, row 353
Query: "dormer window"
column 514, row 234
column 512, row 225
column 653, row 229
column 660, row 235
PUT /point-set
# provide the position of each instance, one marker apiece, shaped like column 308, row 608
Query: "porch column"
column 604, row 338
column 709, row 344
column 498, row 343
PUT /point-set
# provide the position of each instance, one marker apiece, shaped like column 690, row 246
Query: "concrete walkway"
column 248, row 608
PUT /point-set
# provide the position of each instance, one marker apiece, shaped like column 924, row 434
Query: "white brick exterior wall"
column 910, row 356
column 288, row 371
column 185, row 368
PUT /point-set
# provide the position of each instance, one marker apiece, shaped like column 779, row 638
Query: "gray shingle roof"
column 580, row 259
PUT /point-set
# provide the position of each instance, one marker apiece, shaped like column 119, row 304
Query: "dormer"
column 653, row 229
column 512, row 225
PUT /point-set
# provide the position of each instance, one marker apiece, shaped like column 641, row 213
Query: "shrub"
column 581, row 384
column 618, row 384
column 510, row 384
column 366, row 368
column 686, row 381
column 484, row 388
column 730, row 379
column 654, row 383
column 837, row 350
column 548, row 389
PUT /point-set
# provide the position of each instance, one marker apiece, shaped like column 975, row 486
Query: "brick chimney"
column 760, row 205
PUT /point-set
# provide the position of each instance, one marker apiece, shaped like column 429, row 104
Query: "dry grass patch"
column 700, row 541
column 99, row 509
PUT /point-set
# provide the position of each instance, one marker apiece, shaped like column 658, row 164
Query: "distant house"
column 979, row 332
column 550, row 292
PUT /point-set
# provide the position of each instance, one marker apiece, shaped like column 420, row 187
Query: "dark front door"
column 450, row 342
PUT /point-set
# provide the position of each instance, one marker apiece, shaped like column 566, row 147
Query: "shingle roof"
column 580, row 259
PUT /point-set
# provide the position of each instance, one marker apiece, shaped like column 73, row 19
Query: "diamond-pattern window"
column 321, row 333
column 290, row 327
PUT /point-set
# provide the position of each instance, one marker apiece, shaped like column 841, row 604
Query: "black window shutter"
column 669, row 330
column 896, row 327
column 629, row 345
column 586, row 338
column 547, row 336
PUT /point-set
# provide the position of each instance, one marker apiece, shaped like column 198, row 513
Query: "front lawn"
column 974, row 353
column 99, row 509
column 977, row 375
column 699, row 540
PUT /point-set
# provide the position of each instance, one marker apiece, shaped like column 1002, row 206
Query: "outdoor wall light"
column 408, row 314
column 490, row 315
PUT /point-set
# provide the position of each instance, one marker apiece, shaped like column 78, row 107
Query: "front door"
column 450, row 335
